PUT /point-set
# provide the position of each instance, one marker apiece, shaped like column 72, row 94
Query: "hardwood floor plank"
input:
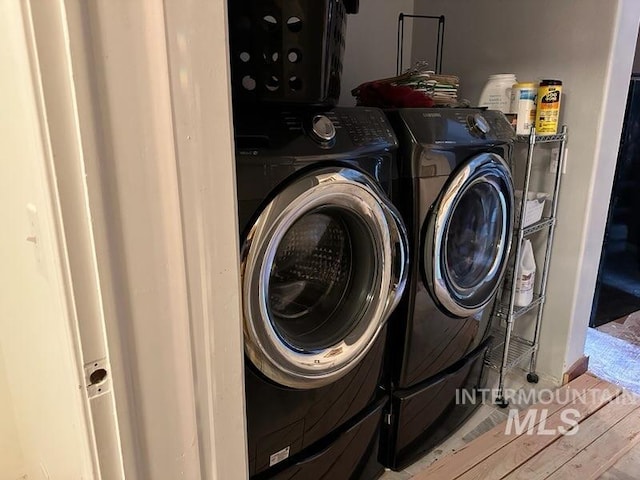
column 454, row 465
column 568, row 446
column 627, row 468
column 603, row 453
column 527, row 445
column 615, row 474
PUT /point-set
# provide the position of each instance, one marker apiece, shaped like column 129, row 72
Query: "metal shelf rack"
column 510, row 350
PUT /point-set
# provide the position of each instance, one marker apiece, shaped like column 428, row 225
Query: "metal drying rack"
column 439, row 42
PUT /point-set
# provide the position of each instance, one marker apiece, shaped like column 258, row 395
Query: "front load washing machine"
column 456, row 197
column 324, row 262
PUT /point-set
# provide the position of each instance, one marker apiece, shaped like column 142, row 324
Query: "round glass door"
column 322, row 273
column 322, row 267
column 469, row 235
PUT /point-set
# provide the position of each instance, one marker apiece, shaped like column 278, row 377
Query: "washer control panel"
column 365, row 126
column 302, row 131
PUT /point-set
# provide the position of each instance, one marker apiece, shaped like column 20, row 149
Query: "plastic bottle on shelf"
column 523, row 104
column 496, row 94
column 525, row 279
column 548, row 107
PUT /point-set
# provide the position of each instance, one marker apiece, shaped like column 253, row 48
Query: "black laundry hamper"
column 287, row 51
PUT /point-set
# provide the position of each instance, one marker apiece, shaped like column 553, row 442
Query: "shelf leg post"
column 505, row 359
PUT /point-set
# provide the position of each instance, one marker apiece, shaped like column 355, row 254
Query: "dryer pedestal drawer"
column 425, row 415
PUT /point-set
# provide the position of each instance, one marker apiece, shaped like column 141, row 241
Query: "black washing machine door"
column 322, row 268
column 468, row 236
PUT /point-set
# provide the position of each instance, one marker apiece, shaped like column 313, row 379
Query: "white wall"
column 371, row 44
column 12, row 462
column 589, row 45
column 41, row 360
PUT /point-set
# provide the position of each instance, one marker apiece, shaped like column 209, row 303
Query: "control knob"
column 478, row 125
column 322, row 129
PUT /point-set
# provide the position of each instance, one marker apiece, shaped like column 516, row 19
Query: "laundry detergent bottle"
column 526, row 277
column 496, row 94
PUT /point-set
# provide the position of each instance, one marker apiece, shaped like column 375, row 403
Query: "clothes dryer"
column 323, row 263
column 455, row 194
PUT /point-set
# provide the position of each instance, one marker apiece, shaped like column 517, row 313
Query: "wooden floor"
column 587, row 429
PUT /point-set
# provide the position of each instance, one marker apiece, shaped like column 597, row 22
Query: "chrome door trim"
column 400, row 264
column 343, row 188
column 483, row 168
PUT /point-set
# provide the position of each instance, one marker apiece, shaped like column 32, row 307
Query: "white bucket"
column 496, row 94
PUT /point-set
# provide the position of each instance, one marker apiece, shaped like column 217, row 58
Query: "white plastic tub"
column 533, row 208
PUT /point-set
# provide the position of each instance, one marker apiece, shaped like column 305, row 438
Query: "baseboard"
column 578, row 368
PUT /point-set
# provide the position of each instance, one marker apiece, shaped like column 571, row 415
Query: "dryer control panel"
column 456, row 126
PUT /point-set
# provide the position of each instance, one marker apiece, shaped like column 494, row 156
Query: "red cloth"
column 385, row 95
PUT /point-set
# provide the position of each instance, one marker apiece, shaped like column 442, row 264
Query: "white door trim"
column 137, row 100
column 49, row 57
column 197, row 44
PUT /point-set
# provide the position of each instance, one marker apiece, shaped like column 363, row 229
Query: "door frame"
column 616, row 180
column 135, row 102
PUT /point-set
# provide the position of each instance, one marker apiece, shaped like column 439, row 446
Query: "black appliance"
column 324, row 260
column 455, row 195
